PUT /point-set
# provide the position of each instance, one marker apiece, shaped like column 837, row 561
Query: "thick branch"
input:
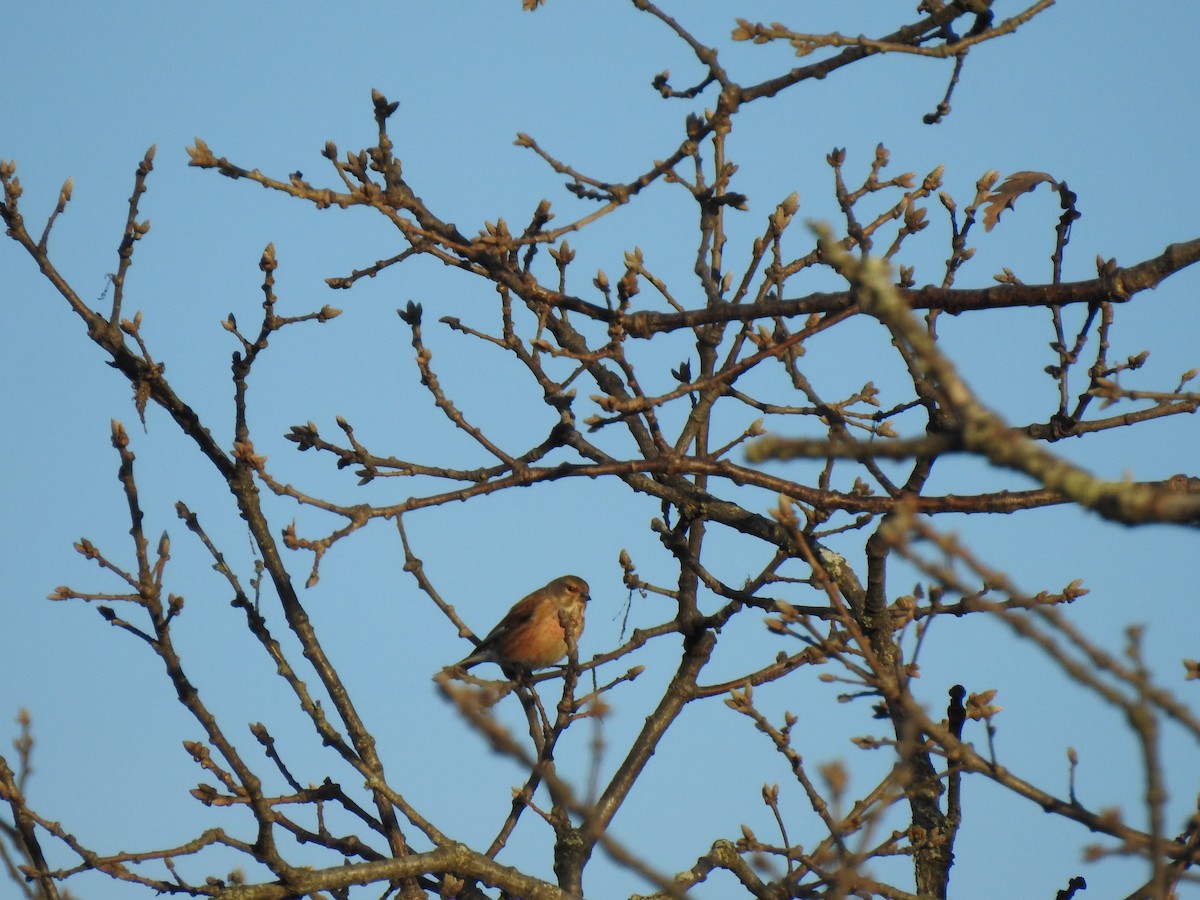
column 1117, row 288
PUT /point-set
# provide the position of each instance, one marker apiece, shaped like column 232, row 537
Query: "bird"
column 531, row 635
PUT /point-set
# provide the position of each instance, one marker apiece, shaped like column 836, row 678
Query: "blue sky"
column 1101, row 95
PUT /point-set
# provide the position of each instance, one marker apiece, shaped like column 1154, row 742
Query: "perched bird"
column 531, row 635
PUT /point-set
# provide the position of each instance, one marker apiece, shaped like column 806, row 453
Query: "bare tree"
column 699, row 436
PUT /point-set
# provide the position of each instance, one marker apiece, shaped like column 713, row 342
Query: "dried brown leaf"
column 1006, row 195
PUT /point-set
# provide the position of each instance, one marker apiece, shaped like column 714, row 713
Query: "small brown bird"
column 531, row 635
